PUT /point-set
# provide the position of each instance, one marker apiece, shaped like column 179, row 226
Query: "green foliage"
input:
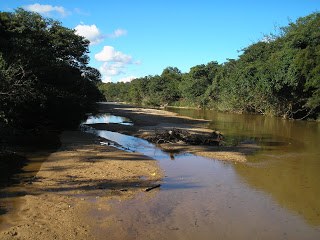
column 115, row 92
column 44, row 77
column 279, row 75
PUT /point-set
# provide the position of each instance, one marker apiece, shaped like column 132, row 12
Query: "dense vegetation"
column 279, row 75
column 45, row 80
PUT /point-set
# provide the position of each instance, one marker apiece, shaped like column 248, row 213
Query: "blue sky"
column 135, row 38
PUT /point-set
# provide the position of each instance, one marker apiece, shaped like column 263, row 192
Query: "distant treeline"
column 279, row 75
column 45, row 80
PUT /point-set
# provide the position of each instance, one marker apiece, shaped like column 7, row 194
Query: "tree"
column 16, row 91
column 45, row 79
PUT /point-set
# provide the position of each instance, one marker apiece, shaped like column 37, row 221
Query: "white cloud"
column 127, row 79
column 109, row 54
column 114, row 63
column 107, row 79
column 93, row 34
column 112, row 69
column 81, row 12
column 118, row 33
column 90, row 32
column 46, row 9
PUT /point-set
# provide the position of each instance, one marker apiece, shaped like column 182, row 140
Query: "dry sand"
column 74, row 181
column 82, row 176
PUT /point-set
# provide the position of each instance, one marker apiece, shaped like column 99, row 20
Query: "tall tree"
column 44, row 72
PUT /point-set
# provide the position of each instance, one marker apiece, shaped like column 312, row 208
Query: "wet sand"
column 76, row 182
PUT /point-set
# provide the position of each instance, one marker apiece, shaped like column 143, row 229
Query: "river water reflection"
column 107, row 118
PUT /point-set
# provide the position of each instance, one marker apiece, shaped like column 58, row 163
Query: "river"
column 287, row 167
column 274, row 195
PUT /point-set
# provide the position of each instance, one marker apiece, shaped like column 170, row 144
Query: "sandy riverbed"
column 82, row 176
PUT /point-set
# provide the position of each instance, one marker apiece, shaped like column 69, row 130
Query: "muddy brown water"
column 287, row 167
column 275, row 195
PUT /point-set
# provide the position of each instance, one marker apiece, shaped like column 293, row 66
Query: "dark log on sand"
column 153, row 187
column 175, row 135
